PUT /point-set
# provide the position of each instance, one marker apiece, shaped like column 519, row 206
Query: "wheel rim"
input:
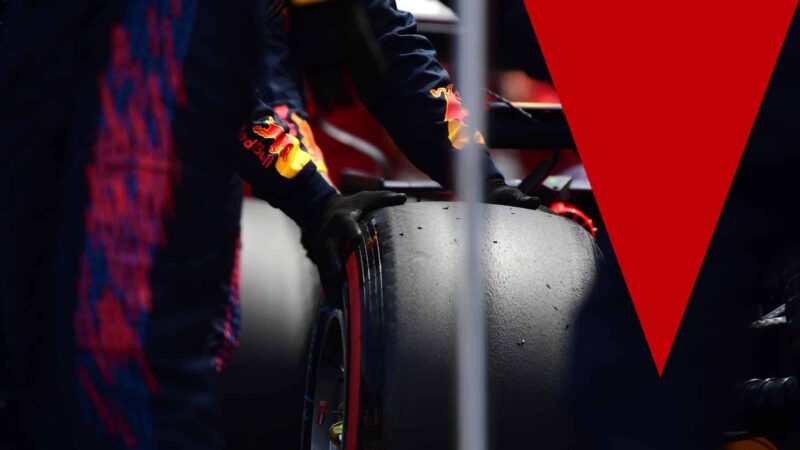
column 329, row 389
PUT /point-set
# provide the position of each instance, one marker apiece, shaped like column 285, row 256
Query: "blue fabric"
column 118, row 154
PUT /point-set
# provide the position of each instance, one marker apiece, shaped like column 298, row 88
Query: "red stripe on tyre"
column 354, row 362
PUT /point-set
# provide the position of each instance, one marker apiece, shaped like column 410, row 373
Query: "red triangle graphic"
column 661, row 96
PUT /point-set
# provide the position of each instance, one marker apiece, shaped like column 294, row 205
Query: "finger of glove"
column 372, row 200
column 307, row 241
column 513, row 197
column 529, row 202
column 350, row 228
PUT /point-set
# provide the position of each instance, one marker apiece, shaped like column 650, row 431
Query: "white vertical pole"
column 472, row 361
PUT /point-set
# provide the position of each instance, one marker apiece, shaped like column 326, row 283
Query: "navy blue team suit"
column 120, row 200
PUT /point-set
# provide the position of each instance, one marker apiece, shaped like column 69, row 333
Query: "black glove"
column 498, row 193
column 337, row 226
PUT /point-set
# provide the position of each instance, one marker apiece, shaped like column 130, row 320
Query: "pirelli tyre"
column 396, row 386
column 263, row 383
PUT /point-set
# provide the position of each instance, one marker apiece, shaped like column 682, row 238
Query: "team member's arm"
column 278, row 90
column 279, row 168
column 417, row 104
column 274, row 162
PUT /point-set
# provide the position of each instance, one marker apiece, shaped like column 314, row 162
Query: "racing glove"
column 336, row 227
column 499, row 193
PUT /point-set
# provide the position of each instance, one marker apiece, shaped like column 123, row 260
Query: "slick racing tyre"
column 397, row 334
column 263, row 383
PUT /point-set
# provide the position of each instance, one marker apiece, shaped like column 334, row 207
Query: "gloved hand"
column 336, row 226
column 498, row 193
